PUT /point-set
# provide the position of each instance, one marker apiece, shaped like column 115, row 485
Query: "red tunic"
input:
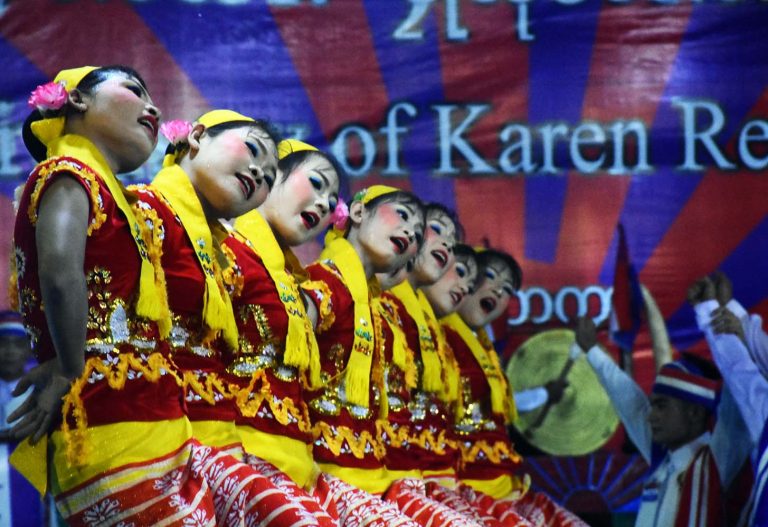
column 346, row 434
column 114, row 332
column 201, row 357
column 276, row 404
column 419, row 414
column 486, row 450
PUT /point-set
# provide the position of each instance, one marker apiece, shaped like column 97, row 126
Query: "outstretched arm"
column 61, row 233
column 743, row 406
column 628, row 399
column 725, row 336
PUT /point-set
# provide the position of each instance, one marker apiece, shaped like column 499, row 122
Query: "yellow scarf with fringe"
column 431, row 377
column 301, row 348
column 501, row 400
column 357, row 374
column 152, row 300
column 173, row 183
column 449, row 392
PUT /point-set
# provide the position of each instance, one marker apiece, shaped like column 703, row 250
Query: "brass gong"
column 583, row 420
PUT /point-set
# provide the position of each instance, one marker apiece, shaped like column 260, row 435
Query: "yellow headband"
column 217, row 117
column 46, row 130
column 209, row 120
column 289, row 146
column 374, row 191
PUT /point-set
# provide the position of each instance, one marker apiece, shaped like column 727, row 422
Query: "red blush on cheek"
column 301, row 189
column 387, row 216
column 233, row 147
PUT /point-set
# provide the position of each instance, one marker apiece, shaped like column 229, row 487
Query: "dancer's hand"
column 37, row 414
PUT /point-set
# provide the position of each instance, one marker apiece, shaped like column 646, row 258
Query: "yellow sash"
column 173, row 183
column 301, row 348
column 501, row 400
column 358, row 371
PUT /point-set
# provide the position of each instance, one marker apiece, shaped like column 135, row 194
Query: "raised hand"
column 723, row 287
column 701, row 290
column 724, row 321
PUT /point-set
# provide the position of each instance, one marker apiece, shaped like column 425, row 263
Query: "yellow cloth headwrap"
column 46, row 130
column 217, row 117
column 374, row 191
column 301, row 348
column 502, row 402
column 290, row 146
column 209, row 119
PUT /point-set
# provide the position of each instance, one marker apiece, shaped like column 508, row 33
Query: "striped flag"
column 627, row 299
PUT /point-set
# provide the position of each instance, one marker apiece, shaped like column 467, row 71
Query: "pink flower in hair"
column 339, row 215
column 49, row 96
column 176, row 131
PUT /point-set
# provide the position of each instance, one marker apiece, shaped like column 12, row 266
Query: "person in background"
column 19, row 502
column 691, row 466
column 736, row 340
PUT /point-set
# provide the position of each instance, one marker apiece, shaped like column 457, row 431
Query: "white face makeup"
column 300, row 205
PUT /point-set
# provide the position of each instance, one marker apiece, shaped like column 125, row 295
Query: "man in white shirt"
column 689, row 464
column 740, row 348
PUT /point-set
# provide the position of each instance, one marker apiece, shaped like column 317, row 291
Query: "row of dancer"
column 192, row 372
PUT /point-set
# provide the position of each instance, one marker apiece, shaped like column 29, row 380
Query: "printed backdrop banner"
column 545, row 123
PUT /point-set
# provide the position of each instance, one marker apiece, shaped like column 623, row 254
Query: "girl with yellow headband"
column 278, row 358
column 418, row 406
column 488, row 458
column 92, row 298
column 383, row 231
column 432, row 444
column 220, row 167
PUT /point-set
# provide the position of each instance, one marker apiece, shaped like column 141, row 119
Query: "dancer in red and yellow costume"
column 413, row 496
column 382, row 232
column 221, row 169
column 122, row 449
column 278, row 358
column 488, row 460
column 418, row 387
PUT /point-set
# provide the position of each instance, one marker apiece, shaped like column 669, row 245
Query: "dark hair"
column 86, row 85
column 289, row 163
column 435, row 207
column 464, row 253
column 488, row 256
column 399, row 196
column 262, row 124
column 99, row 75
